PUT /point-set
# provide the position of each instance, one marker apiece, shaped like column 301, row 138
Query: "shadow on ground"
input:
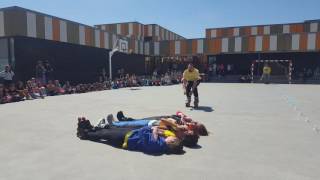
column 203, row 108
column 150, row 154
column 194, row 147
column 134, row 89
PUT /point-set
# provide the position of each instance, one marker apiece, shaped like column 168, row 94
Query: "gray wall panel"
column 73, row 33
column 164, row 48
column 15, row 23
column 245, row 44
column 40, row 26
column 189, row 47
column 231, row 44
column 276, row 29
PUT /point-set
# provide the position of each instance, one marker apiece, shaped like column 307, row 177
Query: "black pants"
column 7, row 83
column 195, row 90
column 114, row 136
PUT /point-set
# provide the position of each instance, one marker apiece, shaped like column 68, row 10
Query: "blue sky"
column 188, row 18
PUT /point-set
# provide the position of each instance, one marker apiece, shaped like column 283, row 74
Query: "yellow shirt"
column 168, row 133
column 266, row 70
column 191, row 76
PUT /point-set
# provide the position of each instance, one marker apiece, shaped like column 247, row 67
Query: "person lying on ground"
column 178, row 120
column 162, row 123
column 185, row 129
column 150, row 140
column 190, row 128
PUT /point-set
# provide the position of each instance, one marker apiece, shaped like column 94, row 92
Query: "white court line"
column 301, row 116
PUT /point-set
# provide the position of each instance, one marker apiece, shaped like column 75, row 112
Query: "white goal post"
column 290, row 67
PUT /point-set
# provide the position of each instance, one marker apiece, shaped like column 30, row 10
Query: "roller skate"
column 188, row 102
column 196, row 102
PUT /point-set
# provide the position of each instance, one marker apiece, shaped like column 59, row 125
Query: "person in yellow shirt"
column 266, row 73
column 191, row 80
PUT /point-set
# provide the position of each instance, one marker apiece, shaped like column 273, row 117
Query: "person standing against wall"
column 41, row 72
column 48, row 71
column 7, row 76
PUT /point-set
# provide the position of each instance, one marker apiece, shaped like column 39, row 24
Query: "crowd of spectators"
column 307, row 74
column 42, row 86
column 168, row 78
column 220, row 70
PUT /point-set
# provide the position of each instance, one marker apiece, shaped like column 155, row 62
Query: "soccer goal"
column 281, row 70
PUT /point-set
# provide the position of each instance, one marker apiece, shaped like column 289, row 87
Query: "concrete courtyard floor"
column 257, row 132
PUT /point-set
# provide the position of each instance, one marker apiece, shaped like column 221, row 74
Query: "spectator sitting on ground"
column 12, row 95
column 34, row 82
column 68, row 88
column 77, row 88
column 102, row 83
column 2, row 97
column 167, row 79
column 36, row 89
column 5, row 96
column 108, row 85
column 30, row 90
column 162, row 81
column 51, row 89
column 134, row 80
column 83, row 88
column 33, row 90
column 42, row 89
column 23, row 90
column 58, row 89
column 245, row 79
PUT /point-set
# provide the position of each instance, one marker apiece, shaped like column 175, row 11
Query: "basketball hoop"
column 123, row 44
column 120, row 45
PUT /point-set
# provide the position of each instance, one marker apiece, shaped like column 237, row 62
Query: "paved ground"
column 257, row 132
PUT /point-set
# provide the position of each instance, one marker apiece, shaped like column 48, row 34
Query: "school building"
column 79, row 52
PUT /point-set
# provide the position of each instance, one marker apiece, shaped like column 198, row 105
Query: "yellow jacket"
column 191, row 76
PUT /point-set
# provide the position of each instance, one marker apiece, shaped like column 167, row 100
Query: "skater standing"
column 191, row 80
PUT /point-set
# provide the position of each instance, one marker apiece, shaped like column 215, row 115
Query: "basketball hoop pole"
column 115, row 49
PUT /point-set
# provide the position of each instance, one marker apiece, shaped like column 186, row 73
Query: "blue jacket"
column 142, row 140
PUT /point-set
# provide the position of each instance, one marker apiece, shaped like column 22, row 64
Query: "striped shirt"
column 7, row 75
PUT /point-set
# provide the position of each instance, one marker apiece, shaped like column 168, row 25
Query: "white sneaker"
column 102, row 123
